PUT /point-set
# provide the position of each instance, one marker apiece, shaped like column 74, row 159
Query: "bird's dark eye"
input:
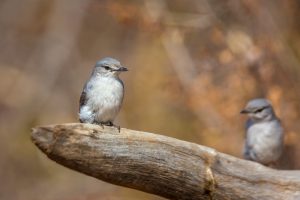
column 106, row 67
column 259, row 110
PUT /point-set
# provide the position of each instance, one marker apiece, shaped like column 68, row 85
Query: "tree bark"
column 161, row 165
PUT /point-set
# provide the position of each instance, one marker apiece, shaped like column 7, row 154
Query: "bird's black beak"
column 123, row 69
column 244, row 111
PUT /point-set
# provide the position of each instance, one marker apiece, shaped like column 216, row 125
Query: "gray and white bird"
column 102, row 95
column 264, row 133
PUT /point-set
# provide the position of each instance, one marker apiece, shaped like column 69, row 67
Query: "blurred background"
column 193, row 66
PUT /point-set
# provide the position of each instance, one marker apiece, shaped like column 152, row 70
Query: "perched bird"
column 102, row 95
column 264, row 133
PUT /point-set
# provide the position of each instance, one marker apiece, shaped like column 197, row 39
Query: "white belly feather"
column 265, row 141
column 104, row 98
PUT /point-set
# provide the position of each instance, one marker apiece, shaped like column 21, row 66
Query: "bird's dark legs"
column 109, row 123
column 116, row 126
column 100, row 124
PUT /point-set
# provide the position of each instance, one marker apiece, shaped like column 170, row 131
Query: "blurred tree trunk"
column 162, row 165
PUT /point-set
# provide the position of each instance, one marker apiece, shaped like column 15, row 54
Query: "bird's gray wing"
column 82, row 100
column 83, row 97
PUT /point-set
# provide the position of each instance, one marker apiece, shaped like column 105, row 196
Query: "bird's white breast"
column 266, row 140
column 105, row 95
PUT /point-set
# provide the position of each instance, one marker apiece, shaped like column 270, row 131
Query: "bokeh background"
column 193, row 66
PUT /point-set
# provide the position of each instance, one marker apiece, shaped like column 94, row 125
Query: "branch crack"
column 209, row 181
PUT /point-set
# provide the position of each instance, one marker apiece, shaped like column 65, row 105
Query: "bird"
column 102, row 95
column 264, row 133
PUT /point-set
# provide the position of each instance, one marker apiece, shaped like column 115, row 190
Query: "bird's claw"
column 102, row 125
column 116, row 126
column 111, row 124
column 119, row 128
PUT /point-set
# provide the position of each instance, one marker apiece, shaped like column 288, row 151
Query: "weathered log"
column 162, row 165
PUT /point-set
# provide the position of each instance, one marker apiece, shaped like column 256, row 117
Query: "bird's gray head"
column 108, row 67
column 259, row 110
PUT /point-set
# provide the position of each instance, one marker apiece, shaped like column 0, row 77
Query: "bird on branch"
column 103, row 93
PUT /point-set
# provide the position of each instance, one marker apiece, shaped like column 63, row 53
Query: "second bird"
column 102, row 95
column 264, row 133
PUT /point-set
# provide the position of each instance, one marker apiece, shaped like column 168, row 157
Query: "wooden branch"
column 162, row 165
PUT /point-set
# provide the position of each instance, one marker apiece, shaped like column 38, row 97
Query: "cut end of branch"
column 43, row 137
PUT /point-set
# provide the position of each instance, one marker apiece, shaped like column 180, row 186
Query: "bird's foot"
column 111, row 124
column 116, row 126
column 101, row 124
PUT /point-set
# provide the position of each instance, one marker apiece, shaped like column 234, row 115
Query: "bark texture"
column 161, row 165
